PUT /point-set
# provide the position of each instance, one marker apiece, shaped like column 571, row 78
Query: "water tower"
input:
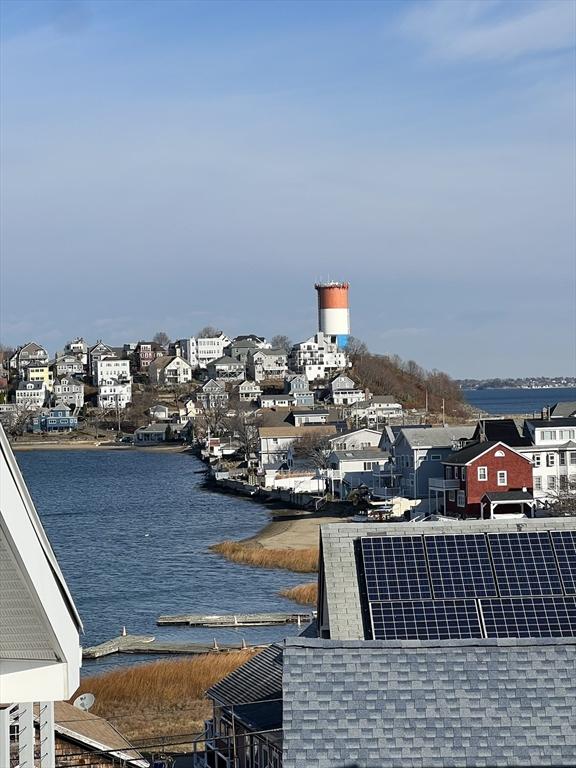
column 334, row 311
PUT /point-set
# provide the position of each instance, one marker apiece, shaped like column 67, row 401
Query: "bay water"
column 517, row 401
column 131, row 531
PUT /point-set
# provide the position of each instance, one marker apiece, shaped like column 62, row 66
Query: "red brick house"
column 486, row 480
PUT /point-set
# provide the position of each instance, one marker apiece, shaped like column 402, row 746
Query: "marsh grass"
column 304, row 594
column 164, row 699
column 297, row 560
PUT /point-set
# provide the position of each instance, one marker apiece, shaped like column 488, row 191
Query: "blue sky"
column 171, row 164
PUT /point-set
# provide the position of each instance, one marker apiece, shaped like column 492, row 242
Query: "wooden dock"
column 236, row 620
column 149, row 644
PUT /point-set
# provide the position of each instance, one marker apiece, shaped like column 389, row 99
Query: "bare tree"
column 243, row 427
column 210, row 418
column 161, row 338
column 18, row 418
column 282, row 342
column 207, row 332
column 356, row 348
column 563, row 499
column 314, row 447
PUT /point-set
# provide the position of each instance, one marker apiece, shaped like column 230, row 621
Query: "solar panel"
column 460, row 566
column 530, row 616
column 395, row 568
column 565, row 546
column 524, row 564
column 425, row 620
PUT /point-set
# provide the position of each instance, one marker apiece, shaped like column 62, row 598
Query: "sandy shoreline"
column 301, row 533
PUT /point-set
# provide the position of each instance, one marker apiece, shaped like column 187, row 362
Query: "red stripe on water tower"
column 333, row 296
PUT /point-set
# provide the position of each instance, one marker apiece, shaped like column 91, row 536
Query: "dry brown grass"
column 305, row 594
column 163, row 698
column 298, row 560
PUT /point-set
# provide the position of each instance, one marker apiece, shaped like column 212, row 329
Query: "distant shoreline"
column 92, row 445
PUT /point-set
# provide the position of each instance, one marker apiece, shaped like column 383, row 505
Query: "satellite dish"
column 85, row 701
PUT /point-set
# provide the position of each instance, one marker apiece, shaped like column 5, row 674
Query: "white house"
column 281, row 400
column 318, row 357
column 70, row 391
column 267, row 364
column 376, row 410
column 168, row 371
column 356, row 439
column 349, row 469
column 111, row 370
column 553, row 454
column 276, row 444
column 31, row 394
column 249, row 391
column 210, row 348
column 77, row 348
column 115, row 395
column 343, row 391
column 40, row 654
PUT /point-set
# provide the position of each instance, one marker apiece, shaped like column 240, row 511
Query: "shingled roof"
column 257, row 680
column 434, row 704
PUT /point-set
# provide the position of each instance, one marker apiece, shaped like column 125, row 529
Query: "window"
column 563, row 483
column 456, row 473
column 435, row 457
column 452, row 495
column 482, row 473
column 552, row 483
column 562, row 459
column 502, row 477
column 550, row 459
column 548, row 434
column 448, row 473
column 461, row 499
column 572, row 457
column 463, row 473
column 367, row 465
column 538, row 483
column 536, row 458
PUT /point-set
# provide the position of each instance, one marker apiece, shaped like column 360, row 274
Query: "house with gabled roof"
column 249, row 391
column 418, row 453
column 170, row 371
column 40, row 652
column 267, row 364
column 486, row 480
column 28, row 354
column 211, row 394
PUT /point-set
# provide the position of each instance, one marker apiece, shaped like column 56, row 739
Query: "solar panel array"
column 462, row 586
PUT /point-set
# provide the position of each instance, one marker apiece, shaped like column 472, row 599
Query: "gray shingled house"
column 437, row 644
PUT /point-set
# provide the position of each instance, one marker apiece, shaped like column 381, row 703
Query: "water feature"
column 131, row 530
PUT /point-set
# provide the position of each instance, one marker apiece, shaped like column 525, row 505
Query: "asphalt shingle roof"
column 257, row 680
column 435, row 437
column 470, row 703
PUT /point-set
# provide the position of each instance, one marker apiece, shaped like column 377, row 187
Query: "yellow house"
column 40, row 373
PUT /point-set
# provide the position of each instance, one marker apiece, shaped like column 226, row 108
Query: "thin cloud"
column 491, row 29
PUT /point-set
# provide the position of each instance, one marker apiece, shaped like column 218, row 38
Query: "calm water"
column 131, row 531
column 522, row 401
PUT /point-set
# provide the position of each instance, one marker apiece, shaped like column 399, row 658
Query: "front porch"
column 438, row 487
column 507, row 504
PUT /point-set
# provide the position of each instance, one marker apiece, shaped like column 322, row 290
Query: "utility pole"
column 443, row 413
